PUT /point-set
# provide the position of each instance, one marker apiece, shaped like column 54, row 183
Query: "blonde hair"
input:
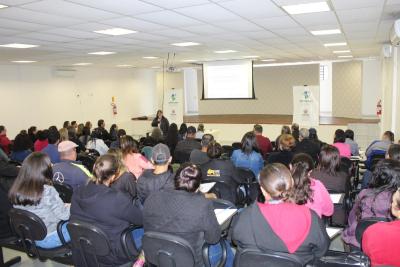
column 117, row 153
column 63, row 134
column 286, row 142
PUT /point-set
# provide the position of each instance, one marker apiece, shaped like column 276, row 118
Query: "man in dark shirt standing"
column 264, row 144
column 185, row 147
column 306, row 145
column 200, row 156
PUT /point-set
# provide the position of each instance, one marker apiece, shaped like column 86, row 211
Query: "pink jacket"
column 137, row 163
column 344, row 149
column 322, row 202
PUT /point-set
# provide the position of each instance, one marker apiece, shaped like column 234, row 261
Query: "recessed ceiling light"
column 3, row 6
column 125, row 66
column 150, row 57
column 306, row 8
column 250, row 56
column 101, row 53
column 326, row 32
column 347, row 56
column 115, row 31
column 185, row 44
column 335, row 44
column 18, row 45
column 23, row 61
column 155, row 67
column 341, row 51
column 268, row 60
column 82, row 64
column 225, row 51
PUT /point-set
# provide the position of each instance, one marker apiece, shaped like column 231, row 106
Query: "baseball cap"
column 66, row 145
column 160, row 154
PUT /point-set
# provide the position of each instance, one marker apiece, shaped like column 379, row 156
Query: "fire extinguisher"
column 114, row 106
column 379, row 108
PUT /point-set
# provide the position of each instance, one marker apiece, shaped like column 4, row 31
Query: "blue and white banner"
column 306, row 105
column 173, row 105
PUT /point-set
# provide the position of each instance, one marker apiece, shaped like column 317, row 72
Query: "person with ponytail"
column 306, row 190
column 277, row 224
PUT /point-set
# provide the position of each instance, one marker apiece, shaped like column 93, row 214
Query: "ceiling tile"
column 204, row 29
column 174, row 33
column 298, row 31
column 134, row 24
column 47, row 37
column 354, row 4
column 366, row 14
column 207, row 13
column 16, row 2
column 253, row 9
column 73, row 33
column 277, row 23
column 21, row 25
column 169, row 18
column 170, row 4
column 239, row 26
column 125, row 7
column 315, row 19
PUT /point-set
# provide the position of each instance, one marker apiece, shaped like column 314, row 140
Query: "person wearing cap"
column 161, row 177
column 186, row 146
column 51, row 149
column 200, row 156
column 68, row 170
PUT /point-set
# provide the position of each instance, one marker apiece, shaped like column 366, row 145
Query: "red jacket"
column 5, row 143
column 380, row 243
column 264, row 144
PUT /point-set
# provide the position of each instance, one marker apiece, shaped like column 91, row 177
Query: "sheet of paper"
column 332, row 232
column 336, row 198
column 224, row 214
column 206, row 187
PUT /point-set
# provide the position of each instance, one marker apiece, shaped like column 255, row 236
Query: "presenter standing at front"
column 162, row 122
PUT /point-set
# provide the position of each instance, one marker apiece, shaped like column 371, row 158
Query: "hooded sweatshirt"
column 149, row 182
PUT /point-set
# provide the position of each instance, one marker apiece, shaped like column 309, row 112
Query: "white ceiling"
column 64, row 30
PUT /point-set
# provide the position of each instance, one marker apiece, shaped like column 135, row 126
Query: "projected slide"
column 228, row 79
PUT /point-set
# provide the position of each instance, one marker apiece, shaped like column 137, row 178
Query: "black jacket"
column 284, row 157
column 5, row 206
column 110, row 210
column 187, row 215
column 127, row 184
column 149, row 183
column 184, row 148
column 164, row 124
column 251, row 230
column 309, row 147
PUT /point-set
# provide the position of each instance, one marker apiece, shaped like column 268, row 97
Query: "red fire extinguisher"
column 379, row 108
column 114, row 106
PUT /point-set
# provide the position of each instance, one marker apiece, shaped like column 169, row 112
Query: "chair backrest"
column 246, row 174
column 252, row 257
column 64, row 191
column 236, row 145
column 224, row 190
column 363, row 224
column 227, row 151
column 165, row 250
column 88, row 242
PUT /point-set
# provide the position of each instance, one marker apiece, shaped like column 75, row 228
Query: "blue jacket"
column 253, row 161
column 70, row 172
column 19, row 156
column 52, row 151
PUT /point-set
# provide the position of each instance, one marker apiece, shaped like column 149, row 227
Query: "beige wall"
column 273, row 88
column 165, row 81
column 347, row 89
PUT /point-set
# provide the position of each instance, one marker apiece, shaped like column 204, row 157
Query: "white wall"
column 371, row 86
column 34, row 95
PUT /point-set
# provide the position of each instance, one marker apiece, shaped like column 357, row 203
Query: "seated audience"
column 172, row 137
column 66, row 124
column 101, row 130
column 113, row 132
column 68, row 170
column 313, row 136
column 306, row 190
column 21, row 148
column 63, row 134
column 52, row 148
column 74, row 124
column 200, row 156
column 5, row 206
column 85, row 136
column 285, row 130
column 116, row 143
column 381, row 145
column 8, row 172
column 284, row 154
column 264, row 144
column 154, row 138
column 74, row 138
column 109, row 209
column 339, row 143
column 159, row 178
column 278, row 224
column 187, row 214
column 182, row 132
column 32, row 191
column 248, row 156
column 96, row 142
column 374, row 201
column 296, row 131
column 353, row 144
column 41, row 141
column 3, row 155
column 4, row 141
column 161, row 122
column 133, row 160
column 186, row 146
column 32, row 131
column 79, row 130
column 200, row 131
column 328, row 171
column 305, row 145
column 380, row 240
column 124, row 181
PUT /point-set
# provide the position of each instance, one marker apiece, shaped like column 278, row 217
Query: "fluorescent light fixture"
column 18, row 45
column 155, row 67
column 225, row 51
column 3, row 6
column 286, row 64
column 101, row 53
column 326, row 32
column 23, row 61
column 306, row 8
column 335, row 44
column 341, row 51
column 190, row 60
column 347, row 56
column 125, row 66
column 268, row 60
column 185, row 44
column 250, row 56
column 115, row 31
column 150, row 57
column 82, row 64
